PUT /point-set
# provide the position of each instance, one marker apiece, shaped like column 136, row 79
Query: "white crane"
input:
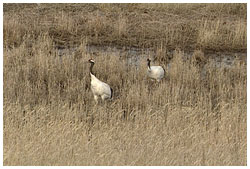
column 98, row 87
column 155, row 72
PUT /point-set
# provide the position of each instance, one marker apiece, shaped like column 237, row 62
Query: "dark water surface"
column 134, row 56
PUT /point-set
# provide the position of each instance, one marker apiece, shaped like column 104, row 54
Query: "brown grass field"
column 189, row 118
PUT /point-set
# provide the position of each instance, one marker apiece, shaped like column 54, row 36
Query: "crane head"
column 91, row 61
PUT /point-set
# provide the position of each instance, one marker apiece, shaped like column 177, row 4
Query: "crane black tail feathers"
column 163, row 69
column 111, row 93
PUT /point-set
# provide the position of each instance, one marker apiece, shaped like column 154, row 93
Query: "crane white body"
column 155, row 72
column 99, row 88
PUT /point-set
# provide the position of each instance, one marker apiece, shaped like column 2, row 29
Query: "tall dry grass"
column 220, row 27
column 50, row 117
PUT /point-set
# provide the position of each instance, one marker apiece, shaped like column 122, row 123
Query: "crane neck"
column 149, row 64
column 91, row 68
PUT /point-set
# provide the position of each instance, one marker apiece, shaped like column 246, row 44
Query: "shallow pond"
column 134, row 56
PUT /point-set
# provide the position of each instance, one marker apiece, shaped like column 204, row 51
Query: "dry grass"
column 191, row 118
column 220, row 27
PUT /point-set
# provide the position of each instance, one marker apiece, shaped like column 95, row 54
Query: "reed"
column 191, row 118
column 217, row 27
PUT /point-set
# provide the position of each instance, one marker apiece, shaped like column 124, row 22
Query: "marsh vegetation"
column 192, row 117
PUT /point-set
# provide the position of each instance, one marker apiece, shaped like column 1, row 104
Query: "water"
column 134, row 56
